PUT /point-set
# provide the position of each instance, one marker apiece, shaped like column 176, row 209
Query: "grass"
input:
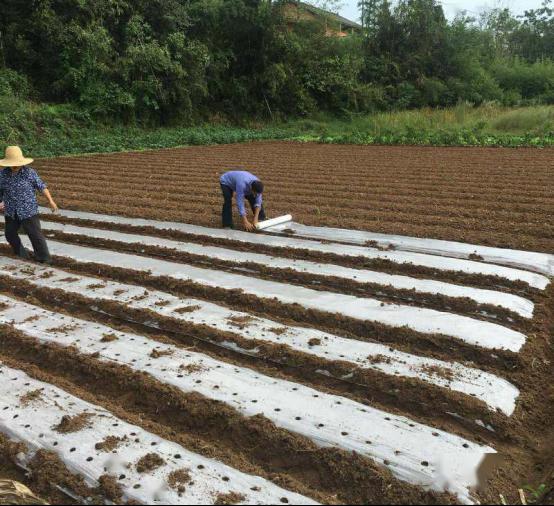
column 53, row 130
column 490, row 119
column 463, row 125
column 532, row 119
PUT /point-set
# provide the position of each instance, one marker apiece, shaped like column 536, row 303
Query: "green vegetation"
column 463, row 125
column 537, row 494
column 80, row 76
column 60, row 130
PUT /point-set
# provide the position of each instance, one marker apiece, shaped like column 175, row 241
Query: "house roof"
column 322, row 12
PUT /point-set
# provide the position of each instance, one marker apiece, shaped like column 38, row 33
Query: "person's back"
column 246, row 186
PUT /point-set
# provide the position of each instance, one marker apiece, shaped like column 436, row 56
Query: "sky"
column 451, row 7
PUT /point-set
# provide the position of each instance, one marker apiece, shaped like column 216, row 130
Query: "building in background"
column 335, row 25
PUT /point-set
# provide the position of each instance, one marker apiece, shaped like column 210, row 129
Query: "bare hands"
column 248, row 226
column 2, row 207
column 54, row 207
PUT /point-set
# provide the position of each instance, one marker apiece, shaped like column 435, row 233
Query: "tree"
column 370, row 10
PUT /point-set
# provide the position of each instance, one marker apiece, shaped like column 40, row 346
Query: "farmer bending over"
column 18, row 186
column 246, row 186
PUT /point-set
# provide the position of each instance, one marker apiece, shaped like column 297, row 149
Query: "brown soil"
column 111, row 488
column 494, row 197
column 62, row 329
column 187, row 309
column 160, row 353
column 499, row 197
column 109, row 338
column 149, row 463
column 388, row 294
column 179, row 479
column 48, row 472
column 191, row 368
column 29, row 397
column 379, row 359
column 230, row 498
column 441, row 372
column 253, row 445
column 391, row 393
column 76, row 423
column 110, row 444
column 240, row 321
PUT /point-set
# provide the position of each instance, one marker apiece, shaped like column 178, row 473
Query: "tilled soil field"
column 499, row 197
column 173, row 362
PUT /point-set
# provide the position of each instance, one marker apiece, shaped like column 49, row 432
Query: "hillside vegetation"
column 75, row 74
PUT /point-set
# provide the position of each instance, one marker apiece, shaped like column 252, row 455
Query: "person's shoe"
column 25, row 255
column 228, row 228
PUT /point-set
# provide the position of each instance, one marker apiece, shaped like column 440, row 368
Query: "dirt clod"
column 109, row 338
column 230, row 498
column 110, row 443
column 32, row 396
column 70, row 424
column 179, row 479
column 149, row 463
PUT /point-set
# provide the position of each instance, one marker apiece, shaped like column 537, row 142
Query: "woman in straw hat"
column 18, row 186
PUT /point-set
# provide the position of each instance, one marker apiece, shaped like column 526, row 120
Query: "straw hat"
column 14, row 158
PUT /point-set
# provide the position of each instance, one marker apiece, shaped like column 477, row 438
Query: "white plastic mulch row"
column 414, row 452
column 496, row 392
column 401, row 257
column 33, row 423
column 514, row 303
column 537, row 262
column 472, row 331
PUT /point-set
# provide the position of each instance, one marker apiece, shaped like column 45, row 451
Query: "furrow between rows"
column 474, row 332
column 256, row 335
column 413, row 452
column 494, row 234
column 96, row 445
column 376, row 196
column 513, row 303
column 201, row 172
column 542, row 263
column 482, row 281
column 538, row 230
column 535, row 280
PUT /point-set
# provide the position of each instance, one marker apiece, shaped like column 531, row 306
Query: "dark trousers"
column 32, row 228
column 227, row 213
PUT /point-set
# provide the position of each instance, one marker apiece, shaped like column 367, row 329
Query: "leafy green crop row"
column 439, row 138
column 137, row 140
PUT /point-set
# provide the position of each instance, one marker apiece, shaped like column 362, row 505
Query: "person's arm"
column 257, row 208
column 242, row 209
column 41, row 187
column 249, row 227
column 53, row 206
column 257, row 216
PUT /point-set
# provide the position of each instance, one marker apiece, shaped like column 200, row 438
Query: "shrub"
column 13, row 84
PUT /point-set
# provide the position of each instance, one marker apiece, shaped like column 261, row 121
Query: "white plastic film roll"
column 280, row 220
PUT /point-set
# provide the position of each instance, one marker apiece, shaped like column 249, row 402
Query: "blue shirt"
column 240, row 182
column 18, row 192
